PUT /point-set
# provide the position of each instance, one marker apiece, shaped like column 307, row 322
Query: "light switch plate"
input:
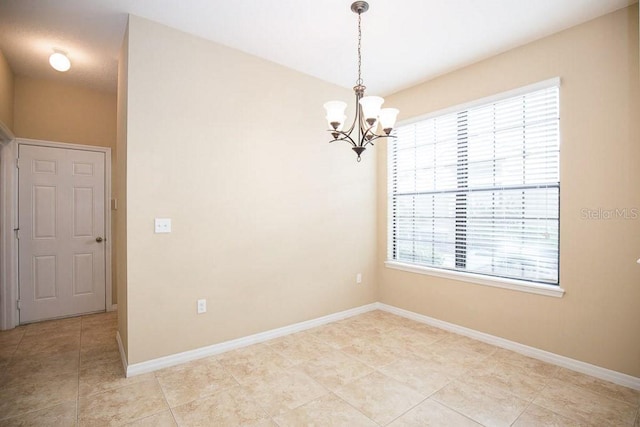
column 202, row 306
column 163, row 225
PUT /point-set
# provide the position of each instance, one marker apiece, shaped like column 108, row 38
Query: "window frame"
column 554, row 290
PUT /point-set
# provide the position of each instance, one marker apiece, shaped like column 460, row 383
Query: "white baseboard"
column 545, row 356
column 556, row 359
column 187, row 356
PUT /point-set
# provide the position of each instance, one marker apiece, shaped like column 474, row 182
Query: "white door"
column 62, row 227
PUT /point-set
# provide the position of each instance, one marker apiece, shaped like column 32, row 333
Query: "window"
column 477, row 190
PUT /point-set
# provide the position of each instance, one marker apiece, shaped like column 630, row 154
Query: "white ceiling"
column 404, row 41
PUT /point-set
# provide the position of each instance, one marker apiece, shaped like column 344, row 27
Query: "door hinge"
column 18, row 305
column 17, row 230
column 18, row 163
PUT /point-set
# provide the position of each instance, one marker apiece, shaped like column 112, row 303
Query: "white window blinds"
column 478, row 190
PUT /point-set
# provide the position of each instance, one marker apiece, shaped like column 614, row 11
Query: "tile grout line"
column 410, row 409
column 529, row 401
column 173, row 416
column 599, row 393
column 525, row 410
column 240, row 385
column 539, row 392
column 366, row 375
column 166, row 401
column 549, row 409
column 226, row 389
column 383, row 332
column 299, row 367
column 331, row 392
column 53, row 405
column 455, row 410
column 458, row 377
column 6, row 369
column 458, row 412
column 349, row 404
column 32, row 411
column 588, row 390
column 548, row 379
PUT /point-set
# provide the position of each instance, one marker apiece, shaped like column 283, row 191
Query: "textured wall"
column 271, row 223
column 60, row 112
column 598, row 319
column 121, row 189
column 6, row 92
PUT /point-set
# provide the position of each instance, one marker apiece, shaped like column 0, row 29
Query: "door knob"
column 98, row 239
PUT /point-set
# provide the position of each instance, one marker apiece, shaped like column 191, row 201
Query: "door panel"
column 61, row 213
column 44, row 276
column 82, row 204
column 82, row 274
column 44, row 212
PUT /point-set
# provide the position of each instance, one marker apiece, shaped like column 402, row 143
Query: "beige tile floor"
column 375, row 369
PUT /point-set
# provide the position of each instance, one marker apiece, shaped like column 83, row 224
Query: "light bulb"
column 59, row 61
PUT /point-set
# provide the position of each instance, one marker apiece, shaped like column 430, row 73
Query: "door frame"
column 8, row 247
column 9, row 282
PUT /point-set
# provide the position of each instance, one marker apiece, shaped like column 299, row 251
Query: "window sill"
column 498, row 282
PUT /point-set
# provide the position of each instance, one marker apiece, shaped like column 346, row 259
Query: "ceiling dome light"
column 59, row 61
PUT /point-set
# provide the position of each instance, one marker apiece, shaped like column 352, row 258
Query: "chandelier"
column 369, row 114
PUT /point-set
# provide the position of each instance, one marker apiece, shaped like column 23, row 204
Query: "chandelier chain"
column 359, row 81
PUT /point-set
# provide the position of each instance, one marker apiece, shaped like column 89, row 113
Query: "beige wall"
column 598, row 319
column 54, row 111
column 120, row 177
column 271, row 223
column 6, row 92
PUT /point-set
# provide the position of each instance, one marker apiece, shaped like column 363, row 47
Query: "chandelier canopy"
column 369, row 114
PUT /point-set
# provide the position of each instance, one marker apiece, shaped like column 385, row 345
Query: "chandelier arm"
column 345, row 137
column 364, row 127
column 360, row 130
column 376, row 136
column 368, row 130
column 370, row 141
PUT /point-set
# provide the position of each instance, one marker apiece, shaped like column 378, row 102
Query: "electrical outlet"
column 162, row 225
column 359, row 278
column 202, row 306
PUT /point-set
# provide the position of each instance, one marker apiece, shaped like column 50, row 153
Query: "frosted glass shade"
column 59, row 61
column 335, row 113
column 388, row 118
column 371, row 106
